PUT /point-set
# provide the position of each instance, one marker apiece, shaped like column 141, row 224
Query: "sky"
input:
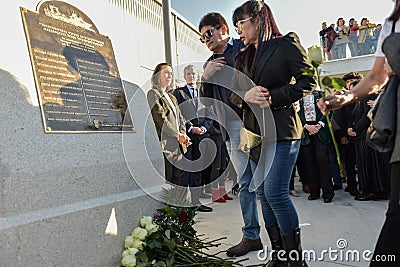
column 303, row 16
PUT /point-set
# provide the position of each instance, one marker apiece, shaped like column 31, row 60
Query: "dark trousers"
column 389, row 238
column 366, row 174
column 350, row 164
column 316, row 160
column 190, row 179
column 219, row 163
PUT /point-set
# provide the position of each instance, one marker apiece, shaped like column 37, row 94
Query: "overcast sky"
column 303, row 16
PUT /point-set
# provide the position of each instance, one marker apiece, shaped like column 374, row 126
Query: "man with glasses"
column 216, row 81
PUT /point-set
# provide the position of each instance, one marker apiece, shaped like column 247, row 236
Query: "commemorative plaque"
column 76, row 75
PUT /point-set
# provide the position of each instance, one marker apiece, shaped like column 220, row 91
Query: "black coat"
column 219, row 86
column 281, row 59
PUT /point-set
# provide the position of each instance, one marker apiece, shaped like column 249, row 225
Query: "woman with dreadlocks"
column 276, row 65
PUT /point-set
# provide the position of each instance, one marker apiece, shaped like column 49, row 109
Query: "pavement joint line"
column 52, row 212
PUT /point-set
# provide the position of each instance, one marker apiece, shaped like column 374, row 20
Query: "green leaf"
column 308, row 72
column 326, row 81
column 170, row 243
column 170, row 262
column 315, row 64
column 154, row 244
column 338, row 83
column 160, row 264
column 168, row 234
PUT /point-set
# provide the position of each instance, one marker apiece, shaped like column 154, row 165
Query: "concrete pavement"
column 348, row 226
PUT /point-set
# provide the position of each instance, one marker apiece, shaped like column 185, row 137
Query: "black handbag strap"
column 394, row 26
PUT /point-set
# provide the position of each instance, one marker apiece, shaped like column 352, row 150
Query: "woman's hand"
column 258, row 95
column 183, row 139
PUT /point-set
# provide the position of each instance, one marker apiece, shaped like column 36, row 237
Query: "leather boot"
column 217, row 197
column 276, row 239
column 244, row 247
column 293, row 249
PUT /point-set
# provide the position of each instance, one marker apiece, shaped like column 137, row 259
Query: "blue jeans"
column 237, row 158
column 248, row 203
column 277, row 207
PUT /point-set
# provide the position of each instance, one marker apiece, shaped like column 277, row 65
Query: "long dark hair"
column 396, row 11
column 267, row 30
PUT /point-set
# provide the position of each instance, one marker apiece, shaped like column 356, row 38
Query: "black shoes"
column 244, row 247
column 370, row 196
column 203, row 208
column 312, row 197
column 327, row 200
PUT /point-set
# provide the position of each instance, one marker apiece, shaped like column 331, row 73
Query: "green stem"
column 339, row 160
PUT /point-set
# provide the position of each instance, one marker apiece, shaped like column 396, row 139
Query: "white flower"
column 139, row 233
column 129, row 241
column 138, row 244
column 151, row 228
column 129, row 261
column 132, row 251
column 146, row 220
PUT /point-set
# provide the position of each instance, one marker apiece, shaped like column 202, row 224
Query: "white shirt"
column 385, row 32
column 173, row 108
column 193, row 91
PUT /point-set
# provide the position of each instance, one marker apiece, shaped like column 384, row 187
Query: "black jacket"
column 219, row 86
column 195, row 113
column 281, row 59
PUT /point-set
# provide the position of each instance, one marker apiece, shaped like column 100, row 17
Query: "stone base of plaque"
column 57, row 190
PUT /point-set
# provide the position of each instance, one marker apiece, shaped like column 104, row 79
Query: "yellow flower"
column 146, row 220
column 129, row 261
column 139, row 233
column 151, row 228
column 129, row 241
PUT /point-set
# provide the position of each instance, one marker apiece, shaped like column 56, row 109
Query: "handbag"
column 381, row 133
column 391, row 49
column 250, row 144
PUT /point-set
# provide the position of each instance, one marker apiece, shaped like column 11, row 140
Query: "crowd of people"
column 361, row 39
column 260, row 87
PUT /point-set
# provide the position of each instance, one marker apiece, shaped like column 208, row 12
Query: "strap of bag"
column 394, row 26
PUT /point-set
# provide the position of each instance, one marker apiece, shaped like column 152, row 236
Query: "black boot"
column 293, row 249
column 276, row 239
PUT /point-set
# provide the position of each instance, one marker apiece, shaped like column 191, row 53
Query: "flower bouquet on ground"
column 168, row 239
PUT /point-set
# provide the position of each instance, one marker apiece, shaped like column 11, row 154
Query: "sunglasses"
column 239, row 24
column 208, row 33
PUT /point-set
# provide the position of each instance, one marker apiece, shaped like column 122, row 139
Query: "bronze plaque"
column 76, row 75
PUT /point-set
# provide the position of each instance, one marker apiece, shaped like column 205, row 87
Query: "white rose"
column 129, row 261
column 146, row 220
column 132, row 251
column 138, row 244
column 129, row 241
column 139, row 233
column 151, row 228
